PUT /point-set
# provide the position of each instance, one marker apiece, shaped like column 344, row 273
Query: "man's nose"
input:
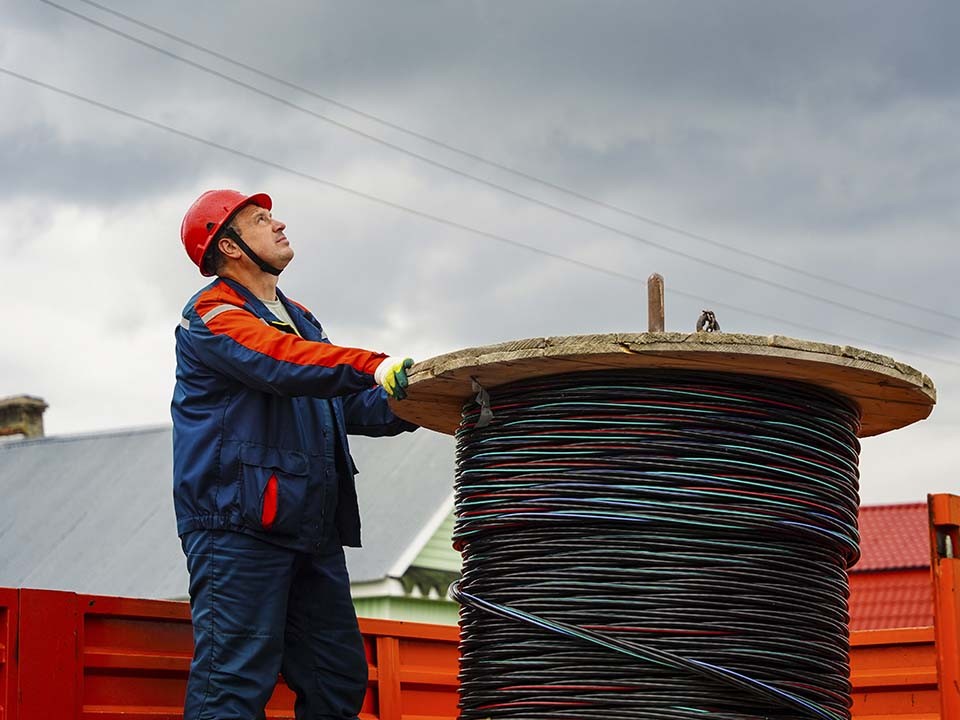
column 278, row 225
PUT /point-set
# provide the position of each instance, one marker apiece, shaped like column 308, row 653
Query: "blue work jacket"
column 261, row 414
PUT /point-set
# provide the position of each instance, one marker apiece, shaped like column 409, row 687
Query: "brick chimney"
column 22, row 415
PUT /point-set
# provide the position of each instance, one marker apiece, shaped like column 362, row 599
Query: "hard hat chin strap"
column 257, row 260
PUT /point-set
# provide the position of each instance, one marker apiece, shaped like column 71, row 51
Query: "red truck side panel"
column 132, row 654
column 9, row 604
column 87, row 657
column 894, row 674
column 48, row 629
column 945, row 568
column 104, row 658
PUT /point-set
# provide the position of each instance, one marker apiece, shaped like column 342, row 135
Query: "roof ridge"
column 898, row 506
column 87, row 435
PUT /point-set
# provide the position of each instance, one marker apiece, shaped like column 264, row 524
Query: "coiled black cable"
column 656, row 545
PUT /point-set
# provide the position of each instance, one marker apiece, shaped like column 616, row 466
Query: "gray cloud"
column 39, row 164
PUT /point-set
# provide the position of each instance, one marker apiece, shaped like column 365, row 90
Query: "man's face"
column 264, row 234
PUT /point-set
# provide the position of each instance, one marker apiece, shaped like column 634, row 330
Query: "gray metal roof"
column 404, row 482
column 93, row 513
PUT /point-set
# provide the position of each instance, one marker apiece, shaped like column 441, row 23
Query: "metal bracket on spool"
column 483, row 400
column 707, row 322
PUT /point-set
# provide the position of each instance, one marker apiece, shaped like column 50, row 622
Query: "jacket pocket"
column 273, row 487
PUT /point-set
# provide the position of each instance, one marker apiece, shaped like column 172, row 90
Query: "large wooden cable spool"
column 876, row 394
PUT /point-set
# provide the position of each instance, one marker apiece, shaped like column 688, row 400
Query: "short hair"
column 214, row 260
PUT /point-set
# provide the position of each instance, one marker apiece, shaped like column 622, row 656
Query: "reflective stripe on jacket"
column 260, row 419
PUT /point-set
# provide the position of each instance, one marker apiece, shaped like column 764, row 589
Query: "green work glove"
column 391, row 375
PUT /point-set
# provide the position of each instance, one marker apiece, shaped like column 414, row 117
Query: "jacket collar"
column 256, row 305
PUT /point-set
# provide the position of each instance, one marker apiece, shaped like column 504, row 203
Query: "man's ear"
column 228, row 247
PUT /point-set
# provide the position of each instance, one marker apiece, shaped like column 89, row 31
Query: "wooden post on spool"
column 655, row 318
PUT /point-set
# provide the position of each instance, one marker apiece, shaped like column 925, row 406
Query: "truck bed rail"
column 89, row 657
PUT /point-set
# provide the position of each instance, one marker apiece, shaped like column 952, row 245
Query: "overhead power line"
column 518, row 173
column 445, row 221
column 528, row 198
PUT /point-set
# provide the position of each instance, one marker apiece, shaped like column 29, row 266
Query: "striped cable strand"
column 656, row 545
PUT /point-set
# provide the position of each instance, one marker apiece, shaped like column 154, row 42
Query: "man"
column 263, row 478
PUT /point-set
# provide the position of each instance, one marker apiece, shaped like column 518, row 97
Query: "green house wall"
column 438, row 612
column 443, row 564
column 438, row 553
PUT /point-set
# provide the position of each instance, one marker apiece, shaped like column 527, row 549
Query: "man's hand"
column 391, row 375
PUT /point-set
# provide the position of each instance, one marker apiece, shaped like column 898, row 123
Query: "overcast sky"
column 820, row 135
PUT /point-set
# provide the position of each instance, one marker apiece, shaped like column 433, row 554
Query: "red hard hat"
column 208, row 214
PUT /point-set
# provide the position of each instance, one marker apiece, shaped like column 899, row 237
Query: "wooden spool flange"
column 890, row 394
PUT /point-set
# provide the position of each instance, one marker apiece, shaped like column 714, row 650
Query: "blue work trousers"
column 260, row 609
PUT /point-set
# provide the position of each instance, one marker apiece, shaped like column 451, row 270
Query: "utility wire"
column 518, row 173
column 445, row 221
column 528, row 198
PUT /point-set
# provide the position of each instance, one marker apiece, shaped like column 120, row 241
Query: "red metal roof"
column 888, row 600
column 891, row 586
column 893, row 537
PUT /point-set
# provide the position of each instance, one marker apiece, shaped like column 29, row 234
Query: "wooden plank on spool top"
column 890, row 394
